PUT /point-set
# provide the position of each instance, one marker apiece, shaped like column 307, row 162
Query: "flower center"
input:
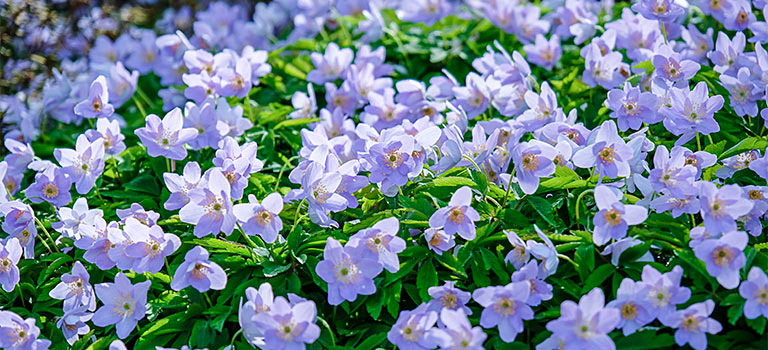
column 691, row 323
column 456, row 215
column 505, row 307
column 629, row 310
column 50, row 191
column 722, row 256
column 613, row 217
column 530, row 161
column 449, row 300
column 607, row 155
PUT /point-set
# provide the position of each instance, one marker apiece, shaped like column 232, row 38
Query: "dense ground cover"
column 376, row 174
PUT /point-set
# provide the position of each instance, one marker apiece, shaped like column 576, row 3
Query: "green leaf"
column 715, row 148
column 597, row 277
column 747, row 144
column 564, row 178
column 644, row 340
column 453, row 181
column 227, row 246
column 585, row 258
column 371, row 342
column 427, row 277
column 647, row 65
column 544, row 208
column 295, row 122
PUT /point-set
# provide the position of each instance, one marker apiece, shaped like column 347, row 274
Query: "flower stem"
column 139, row 106
column 40, row 223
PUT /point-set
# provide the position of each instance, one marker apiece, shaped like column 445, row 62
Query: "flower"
column 438, row 240
column 210, row 129
column 304, row 103
column 331, row 65
column 540, row 290
column 51, row 185
column 672, row 172
column 150, row 246
column 544, row 53
column 586, row 325
column 448, row 296
column 458, row 333
column 235, row 82
column 96, row 105
column 136, row 211
column 166, row 137
column 349, row 271
column 504, row 307
column 662, row 10
column 458, row 217
column 609, row 154
column 124, row 304
column 10, row 254
column 755, row 290
column 631, row 107
column 613, row 217
column 75, row 289
column 663, row 291
column 20, row 223
column 672, row 67
column 760, row 165
column 199, row 272
column 520, row 254
column 390, row 161
column 724, row 257
column 77, row 221
column 109, row 131
column 720, row 207
column 287, row 326
column 631, row 303
column 84, row 164
column 744, row 96
column 382, row 240
column 72, row 323
column 693, row 323
column 474, row 97
column 20, row 334
column 258, row 301
column 181, row 185
column 261, row 218
column 210, row 207
column 545, row 252
column 691, row 112
column 533, row 160
column 413, row 329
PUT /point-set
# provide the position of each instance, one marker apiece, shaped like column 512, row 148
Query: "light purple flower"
column 136, row 211
column 540, row 290
column 755, row 291
column 586, row 325
column 304, row 103
column 72, row 323
column 96, row 105
column 263, row 218
column 672, row 172
column 724, row 257
column 458, row 217
column 75, row 289
column 542, row 110
column 348, row 270
column 52, row 186
column 199, row 272
column 663, row 291
column 618, row 247
column 533, row 160
column 330, row 66
column 609, row 154
column 662, row 10
column 258, row 301
column 20, row 334
column 181, row 185
column 109, row 131
column 545, row 252
column 631, row 303
column 504, row 307
column 84, row 164
column 235, row 124
column 382, row 241
column 438, row 240
column 235, row 82
column 760, row 166
column 288, row 326
column 613, row 217
column 474, row 97
column 210, row 207
column 632, row 108
column 689, row 112
column 671, row 66
column 519, row 254
column 210, row 129
column 20, row 223
column 166, row 137
column 458, row 333
column 151, row 246
column 449, row 297
column 390, row 162
column 10, row 254
column 413, row 329
column 543, row 52
column 720, row 207
column 124, row 304
column 693, row 323
column 77, row 221
column 744, row 95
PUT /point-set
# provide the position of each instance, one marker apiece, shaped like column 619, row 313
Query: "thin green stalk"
column 139, row 106
column 698, row 141
column 578, row 200
column 144, row 97
column 664, row 32
column 168, row 164
column 40, row 223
